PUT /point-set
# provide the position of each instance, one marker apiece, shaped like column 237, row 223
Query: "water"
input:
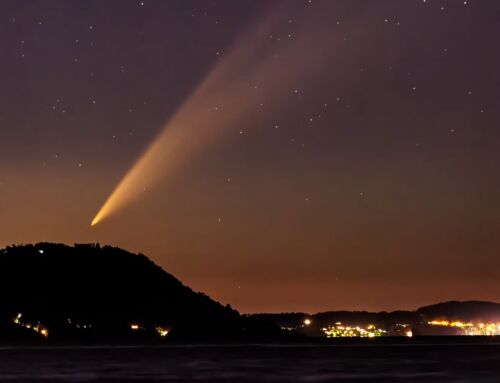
column 428, row 361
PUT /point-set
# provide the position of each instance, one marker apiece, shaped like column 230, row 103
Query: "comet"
column 226, row 95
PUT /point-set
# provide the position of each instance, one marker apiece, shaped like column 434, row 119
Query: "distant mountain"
column 469, row 311
column 92, row 292
column 396, row 322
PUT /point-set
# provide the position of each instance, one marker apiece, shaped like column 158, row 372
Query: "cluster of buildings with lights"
column 161, row 331
column 338, row 330
column 467, row 328
column 42, row 330
column 310, row 326
column 434, row 327
column 37, row 327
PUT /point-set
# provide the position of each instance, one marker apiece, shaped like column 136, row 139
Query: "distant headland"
column 88, row 293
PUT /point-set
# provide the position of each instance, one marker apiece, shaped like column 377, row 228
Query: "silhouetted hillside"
column 395, row 323
column 93, row 292
column 469, row 310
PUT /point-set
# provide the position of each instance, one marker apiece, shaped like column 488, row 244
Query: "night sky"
column 303, row 155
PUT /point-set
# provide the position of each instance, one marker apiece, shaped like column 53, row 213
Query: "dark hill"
column 93, row 292
column 468, row 310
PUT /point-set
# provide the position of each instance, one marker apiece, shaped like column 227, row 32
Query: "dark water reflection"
column 366, row 362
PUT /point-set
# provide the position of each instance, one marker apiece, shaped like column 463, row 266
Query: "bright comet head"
column 220, row 102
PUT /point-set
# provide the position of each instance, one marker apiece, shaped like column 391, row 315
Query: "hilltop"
column 89, row 293
column 106, row 293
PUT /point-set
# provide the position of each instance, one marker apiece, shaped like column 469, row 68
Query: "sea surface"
column 431, row 360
